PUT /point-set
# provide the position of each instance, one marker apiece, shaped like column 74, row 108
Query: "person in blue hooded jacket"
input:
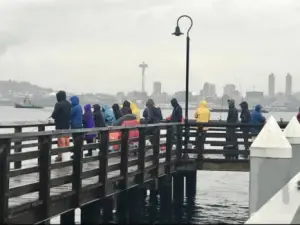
column 109, row 115
column 257, row 118
column 76, row 113
column 76, row 117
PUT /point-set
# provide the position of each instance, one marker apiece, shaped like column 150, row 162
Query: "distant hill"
column 13, row 87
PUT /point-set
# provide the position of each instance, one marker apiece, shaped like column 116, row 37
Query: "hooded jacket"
column 245, row 114
column 126, row 108
column 62, row 111
column 117, row 111
column 202, row 114
column 152, row 114
column 135, row 110
column 177, row 111
column 257, row 118
column 88, row 120
column 98, row 116
column 76, row 115
column 109, row 116
column 233, row 114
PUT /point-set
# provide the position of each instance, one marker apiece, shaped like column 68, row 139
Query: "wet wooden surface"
column 56, row 173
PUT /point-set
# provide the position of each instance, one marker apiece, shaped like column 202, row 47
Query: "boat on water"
column 27, row 104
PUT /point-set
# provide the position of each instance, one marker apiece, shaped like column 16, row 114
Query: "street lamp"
column 179, row 33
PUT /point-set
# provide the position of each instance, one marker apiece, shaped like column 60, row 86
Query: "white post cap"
column 292, row 131
column 271, row 142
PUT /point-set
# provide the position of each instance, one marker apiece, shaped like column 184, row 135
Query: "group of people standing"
column 69, row 115
column 202, row 115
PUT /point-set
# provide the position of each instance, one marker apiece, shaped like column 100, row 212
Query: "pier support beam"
column 270, row 160
column 292, row 133
column 107, row 209
column 178, row 187
column 165, row 197
column 136, row 204
column 68, row 217
column 122, row 207
column 153, row 206
column 191, row 183
column 90, row 214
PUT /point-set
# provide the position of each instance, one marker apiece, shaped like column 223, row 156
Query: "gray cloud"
column 97, row 44
column 8, row 40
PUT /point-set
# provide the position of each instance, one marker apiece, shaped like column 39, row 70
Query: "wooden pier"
column 34, row 188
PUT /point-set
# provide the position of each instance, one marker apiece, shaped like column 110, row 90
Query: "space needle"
column 143, row 66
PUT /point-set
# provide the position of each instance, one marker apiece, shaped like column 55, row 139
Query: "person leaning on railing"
column 245, row 119
column 257, row 118
column 202, row 115
column 151, row 115
column 62, row 116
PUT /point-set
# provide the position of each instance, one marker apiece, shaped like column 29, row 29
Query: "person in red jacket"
column 298, row 116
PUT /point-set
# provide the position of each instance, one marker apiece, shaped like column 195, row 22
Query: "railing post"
column 165, row 183
column 103, row 160
column 156, row 149
column 5, row 147
column 41, row 128
column 69, row 217
column 77, row 167
column 107, row 203
column 141, row 154
column 18, row 164
column 179, row 142
column 200, row 141
column 123, row 198
column 136, row 211
column 45, row 143
column 169, row 145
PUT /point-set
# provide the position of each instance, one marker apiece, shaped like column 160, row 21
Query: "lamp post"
column 179, row 33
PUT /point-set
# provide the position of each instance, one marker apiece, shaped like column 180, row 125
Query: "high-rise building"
column 288, row 84
column 271, row 85
column 208, row 90
column 229, row 90
column 156, row 88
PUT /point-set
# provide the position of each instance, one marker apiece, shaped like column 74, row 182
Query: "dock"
column 34, row 188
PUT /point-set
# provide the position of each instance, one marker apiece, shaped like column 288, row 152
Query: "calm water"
column 221, row 196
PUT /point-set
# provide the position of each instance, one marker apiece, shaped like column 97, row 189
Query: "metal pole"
column 187, row 96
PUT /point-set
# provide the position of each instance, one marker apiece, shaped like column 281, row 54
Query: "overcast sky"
column 97, row 45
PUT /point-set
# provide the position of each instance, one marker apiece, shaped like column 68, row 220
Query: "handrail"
column 214, row 123
column 56, row 133
column 282, row 208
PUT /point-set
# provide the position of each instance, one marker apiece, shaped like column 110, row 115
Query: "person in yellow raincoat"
column 202, row 114
column 135, row 110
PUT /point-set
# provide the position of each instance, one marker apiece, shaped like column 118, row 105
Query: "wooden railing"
column 33, row 188
column 41, row 188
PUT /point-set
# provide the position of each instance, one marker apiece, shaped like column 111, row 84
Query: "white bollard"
column 292, row 133
column 270, row 158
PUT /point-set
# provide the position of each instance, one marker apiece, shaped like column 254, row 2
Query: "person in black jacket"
column 232, row 117
column 177, row 111
column 126, row 108
column 62, row 117
column 117, row 111
column 154, row 111
column 245, row 119
column 152, row 115
column 98, row 116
